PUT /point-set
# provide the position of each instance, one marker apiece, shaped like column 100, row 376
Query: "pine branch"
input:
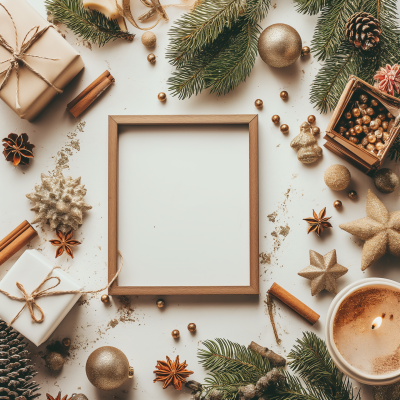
column 257, row 10
column 90, row 25
column 394, row 152
column 311, row 7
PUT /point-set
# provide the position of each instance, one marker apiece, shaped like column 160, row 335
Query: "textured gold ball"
column 160, row 303
column 337, row 204
column 55, row 361
column 275, row 119
column 79, row 396
column 284, row 95
column 305, row 51
column 149, row 39
column 66, row 342
column 386, row 181
column 162, row 96
column 279, row 45
column 192, row 327
column 175, row 333
column 105, row 298
column 259, row 103
column 316, row 130
column 151, row 58
column 311, row 119
column 284, row 128
column 352, row 194
column 107, row 368
column 337, row 177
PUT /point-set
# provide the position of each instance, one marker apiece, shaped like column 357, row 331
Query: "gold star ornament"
column 323, row 272
column 380, row 230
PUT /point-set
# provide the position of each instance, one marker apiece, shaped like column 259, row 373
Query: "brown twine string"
column 30, row 299
column 18, row 55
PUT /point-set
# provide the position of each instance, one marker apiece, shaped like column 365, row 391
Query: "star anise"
column 172, row 373
column 65, row 243
column 18, row 149
column 58, row 397
column 319, row 222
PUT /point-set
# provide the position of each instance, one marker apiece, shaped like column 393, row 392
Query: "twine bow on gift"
column 30, row 299
column 18, row 53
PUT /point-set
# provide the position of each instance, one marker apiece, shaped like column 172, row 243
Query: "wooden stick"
column 275, row 359
column 16, row 240
column 294, row 303
column 77, row 106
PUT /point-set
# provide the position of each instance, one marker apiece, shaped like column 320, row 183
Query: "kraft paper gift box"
column 61, row 65
column 30, row 270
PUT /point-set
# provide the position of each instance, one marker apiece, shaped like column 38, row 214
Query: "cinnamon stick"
column 77, row 106
column 16, row 240
column 294, row 303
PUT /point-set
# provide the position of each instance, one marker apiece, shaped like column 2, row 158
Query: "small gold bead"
column 311, row 119
column 151, row 58
column 175, row 334
column 162, row 96
column 352, row 194
column 284, row 95
column 259, row 103
column 105, row 298
column 358, row 129
column 192, row 327
column 316, row 130
column 284, row 128
column 374, row 102
column 275, row 119
column 356, row 112
column 160, row 303
column 337, row 204
column 347, row 115
column 305, row 51
column 66, row 342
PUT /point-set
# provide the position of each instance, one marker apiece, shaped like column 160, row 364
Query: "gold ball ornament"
column 311, row 119
column 160, row 303
column 337, row 177
column 316, row 130
column 175, row 334
column 352, row 194
column 337, row 204
column 66, row 342
column 275, row 119
column 151, row 58
column 149, row 39
column 284, row 95
column 305, row 51
column 192, row 327
column 107, row 368
column 105, row 298
column 279, row 45
column 55, row 361
column 259, row 103
column 386, row 181
column 79, row 396
column 162, row 96
column 284, row 128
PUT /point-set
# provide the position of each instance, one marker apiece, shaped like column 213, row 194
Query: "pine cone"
column 362, row 30
column 15, row 371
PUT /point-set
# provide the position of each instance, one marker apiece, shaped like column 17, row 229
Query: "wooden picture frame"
column 116, row 121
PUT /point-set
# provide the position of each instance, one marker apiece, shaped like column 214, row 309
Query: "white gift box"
column 30, row 270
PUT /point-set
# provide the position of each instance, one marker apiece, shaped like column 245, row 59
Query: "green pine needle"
column 311, row 7
column 90, row 25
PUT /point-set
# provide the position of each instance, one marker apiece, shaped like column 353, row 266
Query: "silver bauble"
column 279, row 45
column 386, row 181
column 107, row 368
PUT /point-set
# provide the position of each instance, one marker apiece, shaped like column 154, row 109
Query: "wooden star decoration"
column 380, row 230
column 323, row 272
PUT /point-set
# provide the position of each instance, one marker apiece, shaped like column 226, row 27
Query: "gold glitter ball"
column 352, row 194
column 337, row 177
column 279, row 45
column 192, row 327
column 259, row 103
column 305, row 51
column 337, row 204
column 316, row 130
column 55, row 361
column 275, row 119
column 66, row 342
column 386, row 181
column 149, row 39
column 284, row 95
column 160, row 303
column 162, row 96
column 175, row 333
column 105, row 298
column 284, row 128
column 311, row 119
column 151, row 58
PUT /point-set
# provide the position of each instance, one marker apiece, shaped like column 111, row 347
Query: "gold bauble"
column 162, row 96
column 259, row 103
column 105, row 298
column 305, row 51
column 55, row 361
column 160, row 303
column 352, row 194
column 284, row 128
column 107, row 368
column 279, row 45
column 311, row 119
column 337, row 204
column 151, row 58
column 284, row 95
column 192, row 327
column 149, row 39
column 316, row 130
column 175, row 333
column 275, row 119
column 66, row 342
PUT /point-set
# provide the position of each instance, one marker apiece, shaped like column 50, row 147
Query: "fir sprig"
column 311, row 7
column 90, row 25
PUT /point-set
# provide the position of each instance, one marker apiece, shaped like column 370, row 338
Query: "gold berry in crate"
column 347, row 134
column 259, row 103
column 342, row 129
column 105, row 298
column 374, row 103
column 284, row 128
column 192, row 327
column 175, row 334
column 363, row 98
column 316, row 130
column 366, row 119
column 350, row 124
column 378, row 121
column 382, row 117
column 162, row 96
column 352, row 194
column 359, row 121
column 358, row 129
column 311, row 119
column 337, row 204
column 305, row 51
column 379, row 146
column 353, row 139
column 347, row 115
column 151, row 58
column 378, row 134
column 356, row 112
column 371, row 138
column 385, row 136
column 160, row 303
column 364, row 141
column 352, row 132
column 275, row 119
column 284, row 95
column 385, row 125
column 370, row 147
column 149, row 39
column 389, row 115
column 366, row 129
column 66, row 342
column 370, row 111
column 374, row 125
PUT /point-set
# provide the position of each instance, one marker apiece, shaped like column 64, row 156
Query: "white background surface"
column 287, row 188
